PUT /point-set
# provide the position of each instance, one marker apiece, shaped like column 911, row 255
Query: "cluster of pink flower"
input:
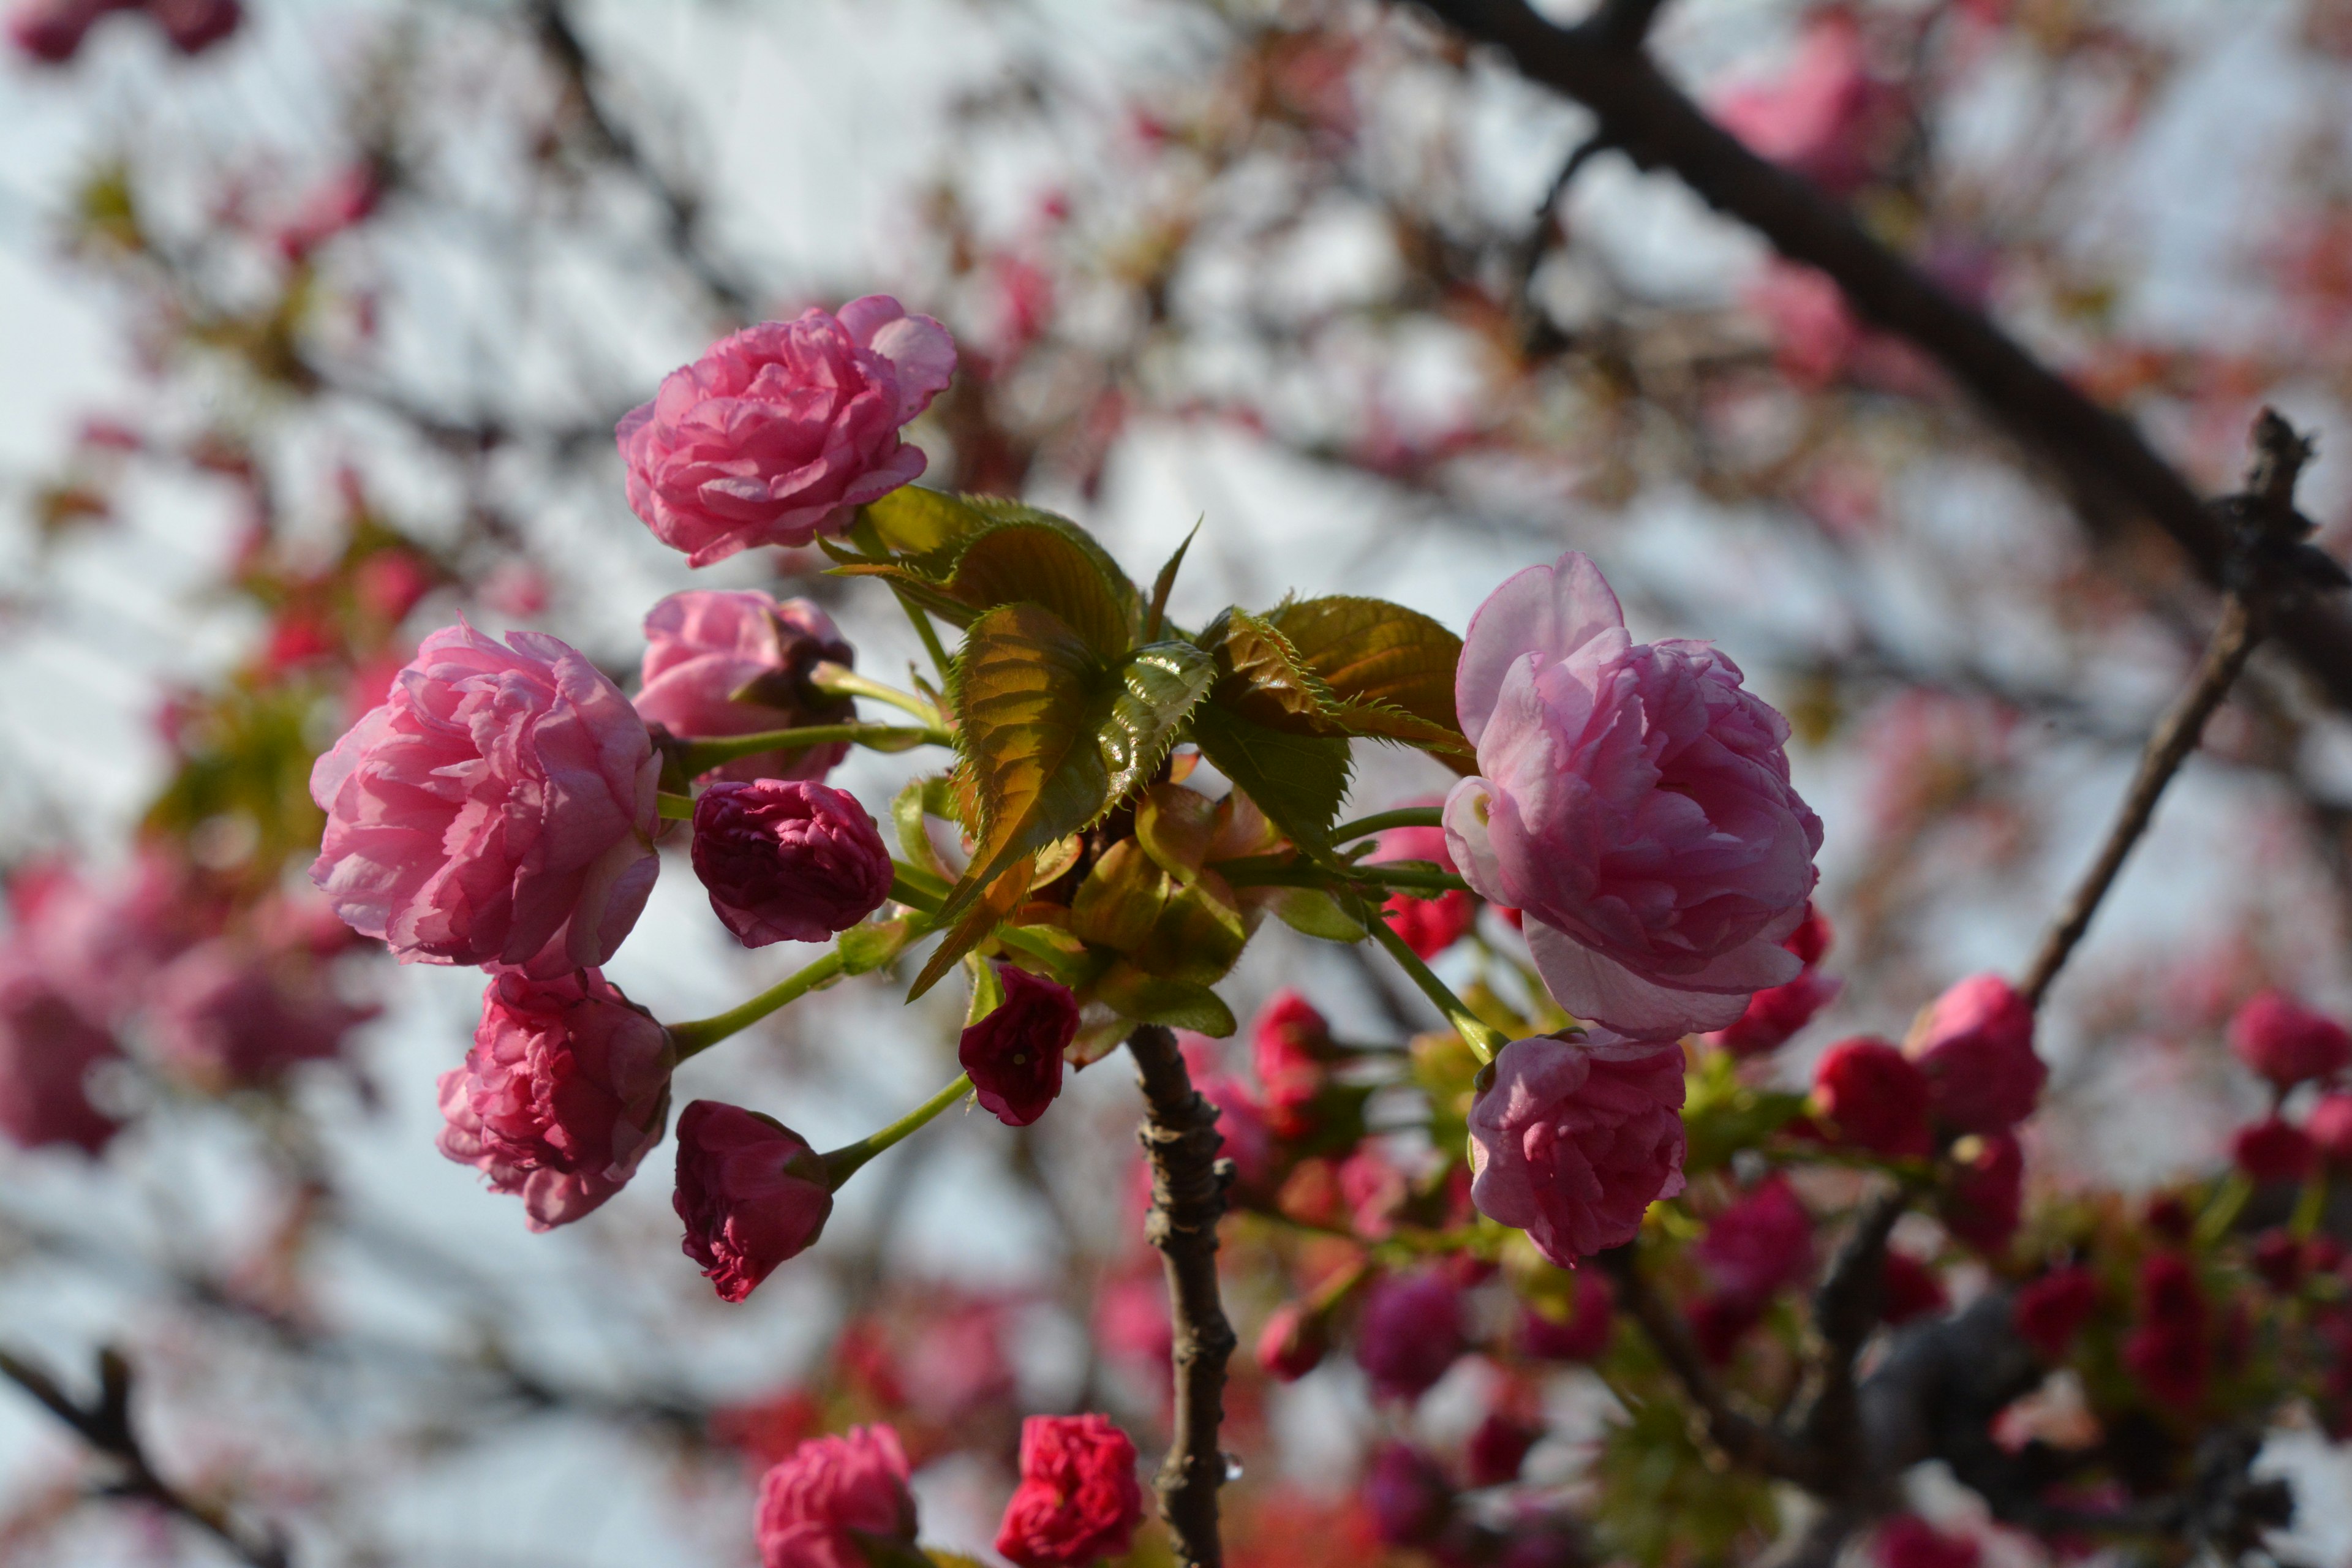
column 51, row 31
column 216, row 998
column 842, row 1502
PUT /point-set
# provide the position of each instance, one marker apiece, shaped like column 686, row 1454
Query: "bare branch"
column 2102, row 455
column 1188, row 1197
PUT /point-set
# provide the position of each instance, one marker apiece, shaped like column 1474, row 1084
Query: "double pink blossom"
column 498, row 807
column 1975, row 1045
column 1577, row 1138
column 819, row 1506
column 1078, row 1502
column 566, row 1089
column 228, row 1013
column 1634, row 801
column 751, row 1192
column 781, row 432
column 721, row 662
column 2287, row 1042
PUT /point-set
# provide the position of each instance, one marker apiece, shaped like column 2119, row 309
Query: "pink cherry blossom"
column 497, row 807
column 566, row 1089
column 788, row 860
column 227, row 1013
column 781, row 432
column 1577, row 1138
column 2287, row 1042
column 816, row 1505
column 48, row 1047
column 1633, row 803
column 1975, row 1045
column 751, row 1192
column 721, row 663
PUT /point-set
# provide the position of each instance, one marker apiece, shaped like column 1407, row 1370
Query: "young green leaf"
column 1149, row 999
column 1298, row 781
column 1392, row 668
column 913, row 520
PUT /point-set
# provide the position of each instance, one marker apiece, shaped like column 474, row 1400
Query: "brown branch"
column 105, row 1425
column 1740, row 1436
column 2175, row 735
column 1188, row 1197
column 2103, row 455
column 1846, row 1307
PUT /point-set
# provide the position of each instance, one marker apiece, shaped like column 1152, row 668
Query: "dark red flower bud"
column 2272, row 1151
column 1498, row 1447
column 1407, row 1495
column 1875, row 1097
column 2049, row 1313
column 1288, row 1045
column 752, row 1192
column 2169, row 1353
column 1976, row 1046
column 1906, row 1540
column 1411, row 1331
column 1759, row 1244
column 1775, row 1015
column 1909, row 1290
column 788, row 860
column 1986, row 1196
column 1294, row 1342
column 2279, row 1260
column 2286, row 1042
column 2168, row 1216
column 1719, row 1320
column 1015, row 1054
column 1584, row 1336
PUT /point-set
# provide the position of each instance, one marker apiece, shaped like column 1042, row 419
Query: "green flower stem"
column 842, row 1164
column 916, row 887
column 701, row 1034
column 840, row 680
column 1406, row 817
column 923, row 628
column 700, row 756
column 1414, row 877
column 1284, row 871
column 677, row 807
column 1482, row 1040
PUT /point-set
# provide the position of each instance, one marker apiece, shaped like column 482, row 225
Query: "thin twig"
column 1188, row 1198
column 105, row 1425
column 2177, row 734
column 1740, row 1436
column 1625, row 24
column 2103, row 455
column 1847, row 1306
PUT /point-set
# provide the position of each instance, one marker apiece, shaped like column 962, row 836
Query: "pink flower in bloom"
column 1906, row 1540
column 752, row 1192
column 781, row 432
column 228, row 1015
column 2273, row 1150
column 1987, row 1195
column 1289, row 1043
column 1592, row 1316
column 1015, row 1054
column 2049, row 1313
column 1294, row 1342
column 1875, row 1097
column 2330, row 1126
column 788, row 860
column 1410, row 1333
column 497, row 807
column 721, row 663
column 1078, row 1501
column 1429, row 925
column 1826, row 117
column 818, row 1506
column 48, row 1047
column 1634, row 805
column 1761, row 1245
column 1577, row 1138
column 2286, row 1042
column 1976, row 1046
column 565, row 1090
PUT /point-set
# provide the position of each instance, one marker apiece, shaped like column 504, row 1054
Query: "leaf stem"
column 923, row 629
column 697, row 757
column 676, row 807
column 700, row 1033
column 840, row 680
column 842, row 1164
column 1483, row 1039
column 1379, row 822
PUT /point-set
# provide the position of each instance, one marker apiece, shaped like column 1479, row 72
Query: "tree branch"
column 105, row 1425
column 2100, row 453
column 1742, row 1437
column 1188, row 1197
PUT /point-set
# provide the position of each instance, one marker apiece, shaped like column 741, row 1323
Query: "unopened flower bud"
column 1875, row 1097
column 787, row 861
column 1015, row 1054
column 2286, row 1042
column 752, row 1192
column 1976, row 1046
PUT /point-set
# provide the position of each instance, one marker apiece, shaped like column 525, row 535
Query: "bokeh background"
column 312, row 332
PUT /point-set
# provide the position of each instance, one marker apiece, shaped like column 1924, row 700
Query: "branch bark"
column 2101, row 454
column 105, row 1425
column 1188, row 1198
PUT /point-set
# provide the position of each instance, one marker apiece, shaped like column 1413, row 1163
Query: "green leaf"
column 1311, row 912
column 1025, row 688
column 913, row 520
column 873, row 944
column 1199, row 934
column 1051, row 738
column 1007, row 553
column 1262, row 678
column 1723, row 1115
column 984, row 911
column 1121, row 899
column 1392, row 668
column 1162, row 586
column 1176, row 827
column 922, row 799
column 1298, row 781
column 1150, row 999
